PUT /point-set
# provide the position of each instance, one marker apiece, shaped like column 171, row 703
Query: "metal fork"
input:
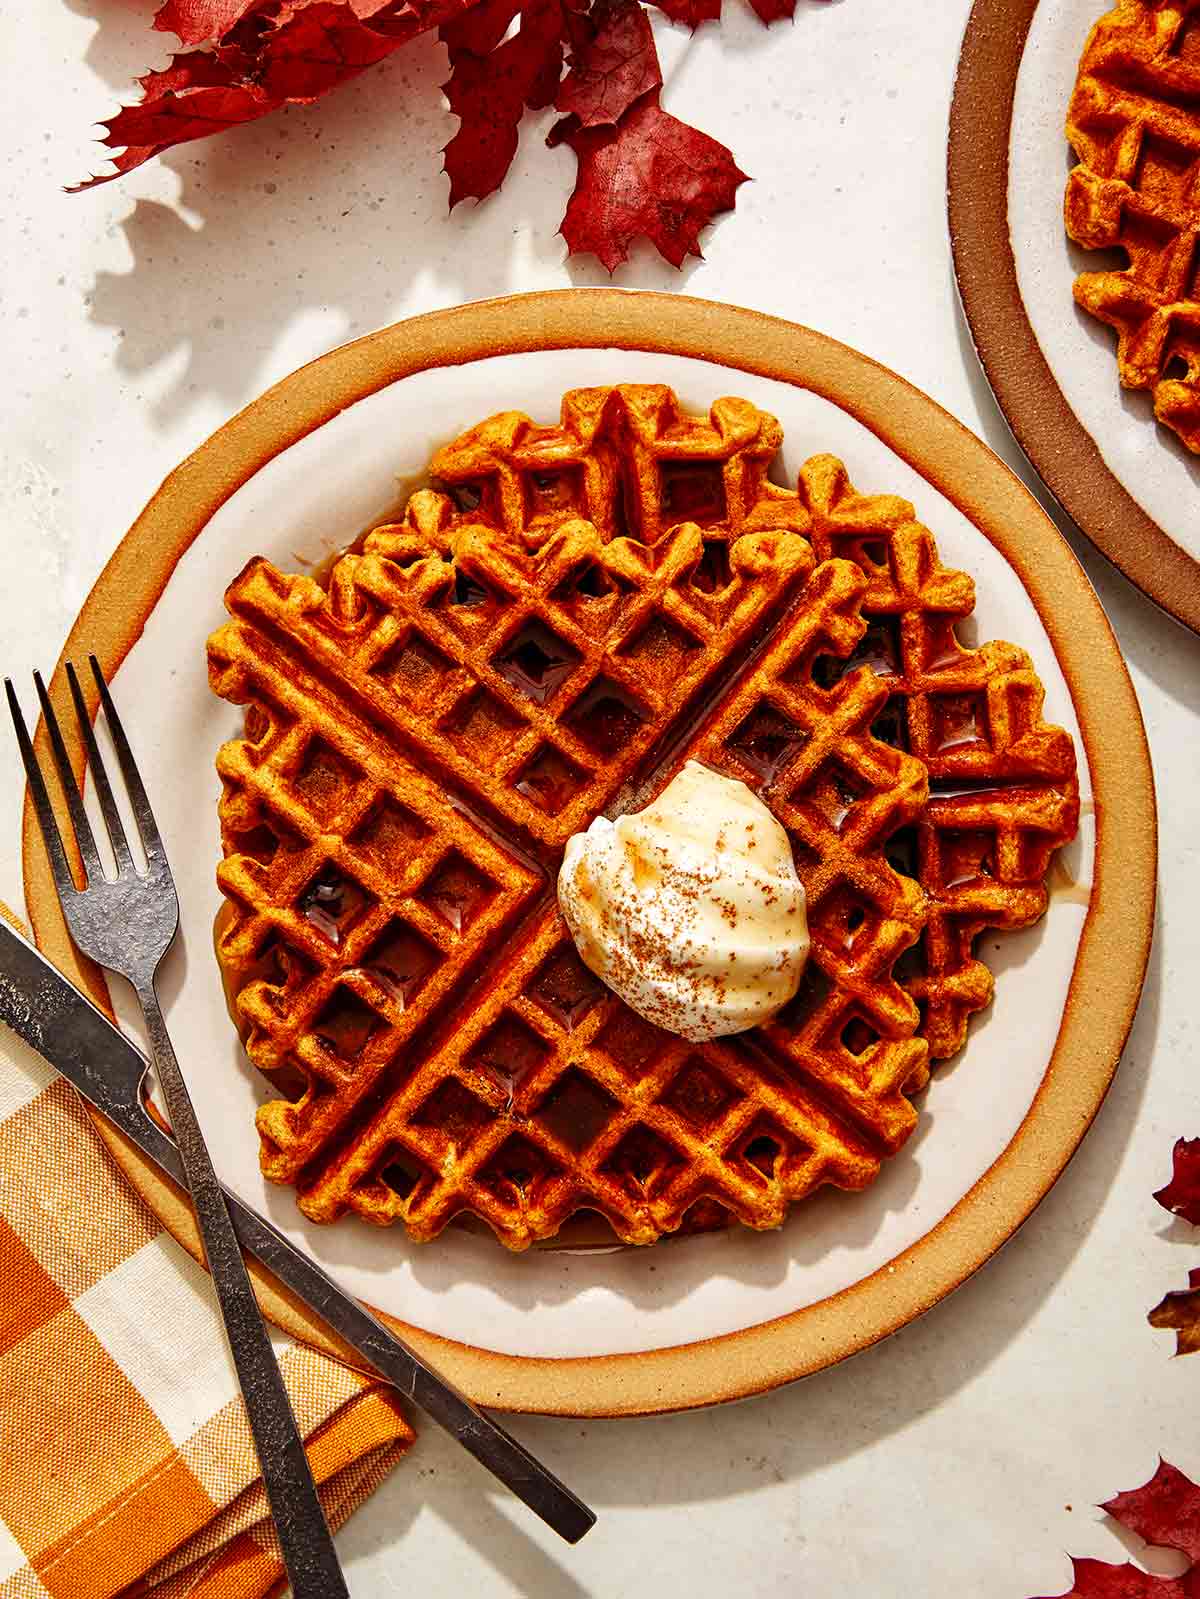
column 127, row 924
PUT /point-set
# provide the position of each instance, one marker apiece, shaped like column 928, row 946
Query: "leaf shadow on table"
column 125, row 42
column 337, row 209
column 1178, row 1231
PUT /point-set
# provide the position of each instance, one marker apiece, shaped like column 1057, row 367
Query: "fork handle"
column 308, row 1553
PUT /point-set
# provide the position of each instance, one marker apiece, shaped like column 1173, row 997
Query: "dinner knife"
column 79, row 1041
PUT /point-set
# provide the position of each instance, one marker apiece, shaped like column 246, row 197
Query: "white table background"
column 964, row 1455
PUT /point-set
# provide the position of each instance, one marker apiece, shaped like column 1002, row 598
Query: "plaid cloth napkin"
column 126, row 1462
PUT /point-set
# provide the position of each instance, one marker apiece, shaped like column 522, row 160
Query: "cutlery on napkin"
column 126, row 1461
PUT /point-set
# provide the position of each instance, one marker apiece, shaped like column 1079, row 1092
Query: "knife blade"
column 80, row 1042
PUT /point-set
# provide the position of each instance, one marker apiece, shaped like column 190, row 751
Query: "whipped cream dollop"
column 691, row 909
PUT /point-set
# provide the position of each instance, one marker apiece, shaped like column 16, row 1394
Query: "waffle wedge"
column 1134, row 122
column 426, row 730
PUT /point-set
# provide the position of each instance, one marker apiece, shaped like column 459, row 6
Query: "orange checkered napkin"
column 126, row 1462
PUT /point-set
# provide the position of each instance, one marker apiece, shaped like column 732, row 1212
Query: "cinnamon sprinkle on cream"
column 690, row 910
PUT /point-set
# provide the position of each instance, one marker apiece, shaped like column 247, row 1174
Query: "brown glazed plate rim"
column 1114, row 943
column 1058, row 446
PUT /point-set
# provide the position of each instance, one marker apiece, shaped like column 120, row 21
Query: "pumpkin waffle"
column 1134, row 122
column 426, row 730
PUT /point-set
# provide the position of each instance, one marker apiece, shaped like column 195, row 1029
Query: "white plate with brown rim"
column 717, row 1316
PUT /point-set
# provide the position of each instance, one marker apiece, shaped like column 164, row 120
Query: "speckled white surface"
column 963, row 1456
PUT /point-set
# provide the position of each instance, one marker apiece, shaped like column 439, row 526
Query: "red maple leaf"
column 1096, row 1579
column 614, row 63
column 199, row 70
column 489, row 92
column 173, row 116
column 649, row 176
column 263, row 62
column 327, row 44
column 690, row 12
column 1164, row 1511
column 769, row 11
column 480, row 28
column 1180, row 1311
column 694, row 12
column 641, row 172
column 1181, row 1196
column 198, row 21
column 196, row 91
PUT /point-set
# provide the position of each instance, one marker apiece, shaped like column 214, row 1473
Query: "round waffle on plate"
column 583, row 608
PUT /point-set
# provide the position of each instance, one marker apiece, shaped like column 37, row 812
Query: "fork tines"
column 85, row 838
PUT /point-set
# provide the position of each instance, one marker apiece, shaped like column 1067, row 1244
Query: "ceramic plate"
column 1128, row 482
column 688, row 1321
